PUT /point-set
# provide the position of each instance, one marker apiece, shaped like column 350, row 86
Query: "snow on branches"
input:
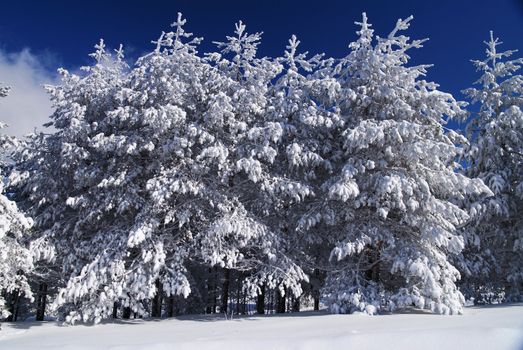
column 495, row 155
column 272, row 167
column 16, row 257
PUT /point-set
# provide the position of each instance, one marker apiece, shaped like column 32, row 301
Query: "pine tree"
column 228, row 176
column 16, row 259
column 247, row 235
column 298, row 101
column 494, row 258
column 154, row 166
column 387, row 203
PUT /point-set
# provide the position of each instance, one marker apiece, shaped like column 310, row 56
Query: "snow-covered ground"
column 494, row 327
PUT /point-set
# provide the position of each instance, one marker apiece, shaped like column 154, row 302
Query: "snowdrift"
column 493, row 327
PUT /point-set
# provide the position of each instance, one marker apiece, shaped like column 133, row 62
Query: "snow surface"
column 494, row 327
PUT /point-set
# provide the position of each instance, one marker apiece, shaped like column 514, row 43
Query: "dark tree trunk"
column 157, row 300
column 281, row 301
column 17, row 310
column 260, row 301
column 170, row 306
column 225, row 290
column 214, row 291
column 126, row 314
column 244, row 302
column 271, row 302
column 208, row 303
column 14, row 306
column 238, row 295
column 296, row 305
column 115, row 310
column 41, row 301
column 374, row 253
column 316, row 292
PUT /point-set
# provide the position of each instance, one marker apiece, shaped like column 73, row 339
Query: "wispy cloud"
column 27, row 107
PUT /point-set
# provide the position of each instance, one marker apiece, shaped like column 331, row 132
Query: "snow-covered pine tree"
column 390, row 196
column 270, row 167
column 300, row 99
column 59, row 178
column 154, row 166
column 247, row 234
column 16, row 260
column 494, row 257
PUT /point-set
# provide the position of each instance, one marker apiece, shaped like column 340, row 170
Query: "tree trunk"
column 238, row 301
column 316, row 292
column 17, row 310
column 170, row 306
column 244, row 302
column 272, row 302
column 208, row 299
column 225, row 290
column 157, row 300
column 280, row 301
column 260, row 301
column 126, row 313
column 41, row 301
column 214, row 291
column 373, row 273
column 317, row 302
column 296, row 305
column 115, row 309
column 14, row 306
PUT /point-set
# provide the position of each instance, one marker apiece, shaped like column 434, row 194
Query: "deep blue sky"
column 65, row 32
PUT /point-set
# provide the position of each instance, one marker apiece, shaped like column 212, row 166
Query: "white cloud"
column 27, row 107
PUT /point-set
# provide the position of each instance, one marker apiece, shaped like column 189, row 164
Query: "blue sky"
column 62, row 33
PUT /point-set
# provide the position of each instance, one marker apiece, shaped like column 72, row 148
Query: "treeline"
column 230, row 183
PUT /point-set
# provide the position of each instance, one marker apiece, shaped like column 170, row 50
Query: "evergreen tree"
column 154, row 166
column 387, row 205
column 237, row 175
column 252, row 136
column 494, row 258
column 16, row 259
